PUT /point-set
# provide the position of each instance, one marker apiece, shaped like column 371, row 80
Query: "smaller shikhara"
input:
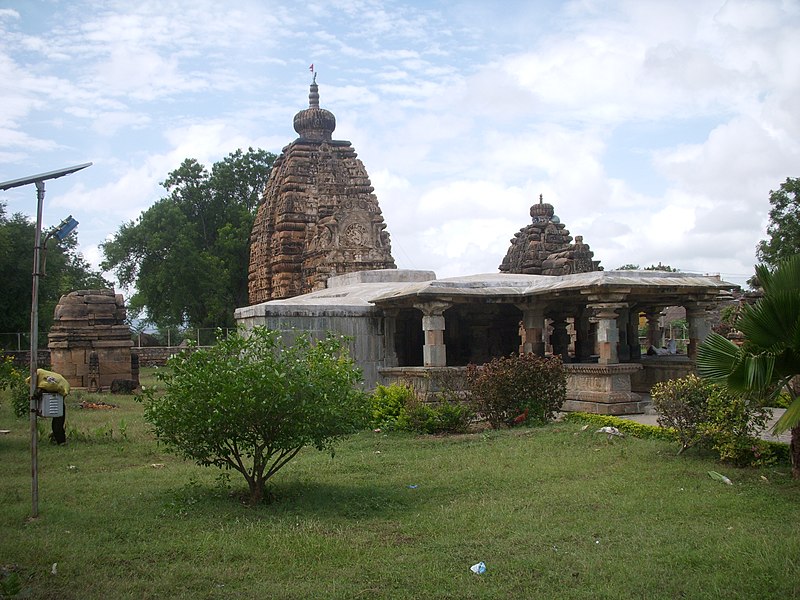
column 545, row 247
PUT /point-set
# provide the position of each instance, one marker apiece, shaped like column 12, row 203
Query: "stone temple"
column 319, row 216
column 90, row 341
column 318, row 264
column 544, row 247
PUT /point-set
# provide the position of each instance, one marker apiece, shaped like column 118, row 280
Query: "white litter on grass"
column 478, row 568
column 54, row 569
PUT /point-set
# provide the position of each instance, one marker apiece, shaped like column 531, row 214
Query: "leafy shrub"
column 776, row 451
column 704, row 413
column 453, row 417
column 417, row 416
column 514, row 386
column 13, row 380
column 732, row 423
column 397, row 407
column 782, row 400
column 681, row 405
column 387, row 403
column 251, row 402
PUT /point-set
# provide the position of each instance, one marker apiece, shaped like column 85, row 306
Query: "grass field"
column 554, row 512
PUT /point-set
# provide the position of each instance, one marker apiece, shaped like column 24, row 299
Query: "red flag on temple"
column 311, row 68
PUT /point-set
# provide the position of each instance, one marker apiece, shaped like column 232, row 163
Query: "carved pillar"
column 697, row 316
column 532, row 329
column 434, row 352
column 607, row 331
column 560, row 338
column 653, row 335
column 390, row 337
column 93, row 379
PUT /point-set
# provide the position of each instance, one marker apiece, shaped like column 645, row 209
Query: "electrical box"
column 51, row 405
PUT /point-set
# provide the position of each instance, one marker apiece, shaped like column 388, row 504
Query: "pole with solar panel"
column 63, row 230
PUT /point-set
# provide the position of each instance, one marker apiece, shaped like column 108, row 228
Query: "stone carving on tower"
column 319, row 216
column 545, row 247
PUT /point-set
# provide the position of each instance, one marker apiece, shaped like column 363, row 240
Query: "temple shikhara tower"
column 545, row 247
column 319, row 216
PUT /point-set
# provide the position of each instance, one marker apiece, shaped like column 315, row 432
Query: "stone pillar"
column 653, row 335
column 697, row 316
column 560, row 338
column 532, row 330
column 434, row 352
column 633, row 335
column 607, row 331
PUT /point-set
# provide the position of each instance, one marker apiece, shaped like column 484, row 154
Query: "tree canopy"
column 783, row 230
column 658, row 267
column 66, row 270
column 187, row 255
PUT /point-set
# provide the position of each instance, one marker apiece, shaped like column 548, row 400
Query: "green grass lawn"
column 554, row 512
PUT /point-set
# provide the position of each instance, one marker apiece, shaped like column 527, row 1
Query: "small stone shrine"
column 90, row 342
column 319, row 216
column 544, row 247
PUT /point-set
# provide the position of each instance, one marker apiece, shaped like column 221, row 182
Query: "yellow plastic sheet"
column 50, row 381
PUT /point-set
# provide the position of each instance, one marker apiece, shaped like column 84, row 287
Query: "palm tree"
column 769, row 360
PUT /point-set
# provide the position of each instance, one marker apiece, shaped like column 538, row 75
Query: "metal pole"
column 35, row 351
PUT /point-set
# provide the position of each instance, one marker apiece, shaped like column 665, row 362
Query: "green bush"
column 681, row 405
column 387, row 403
column 732, row 423
column 453, row 417
column 704, row 413
column 13, row 380
column 518, row 388
column 397, row 407
column 783, row 400
column 251, row 402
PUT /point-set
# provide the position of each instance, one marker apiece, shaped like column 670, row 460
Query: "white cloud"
column 462, row 114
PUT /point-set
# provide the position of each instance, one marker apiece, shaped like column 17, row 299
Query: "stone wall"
column 364, row 325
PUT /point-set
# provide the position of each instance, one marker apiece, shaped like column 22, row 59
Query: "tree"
column 251, row 403
column 658, row 267
column 769, row 360
column 784, row 224
column 66, row 270
column 187, row 255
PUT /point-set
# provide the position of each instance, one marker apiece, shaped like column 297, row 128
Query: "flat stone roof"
column 666, row 288
column 363, row 291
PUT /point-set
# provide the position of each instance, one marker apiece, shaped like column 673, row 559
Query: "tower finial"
column 541, row 198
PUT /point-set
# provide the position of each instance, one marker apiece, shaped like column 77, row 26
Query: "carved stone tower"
column 319, row 216
column 544, row 247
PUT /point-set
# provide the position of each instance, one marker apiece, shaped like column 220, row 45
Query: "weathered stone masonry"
column 319, row 216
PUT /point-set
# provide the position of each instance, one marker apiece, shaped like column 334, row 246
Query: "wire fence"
column 171, row 338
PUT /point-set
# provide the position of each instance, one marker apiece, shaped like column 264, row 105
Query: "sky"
column 656, row 129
